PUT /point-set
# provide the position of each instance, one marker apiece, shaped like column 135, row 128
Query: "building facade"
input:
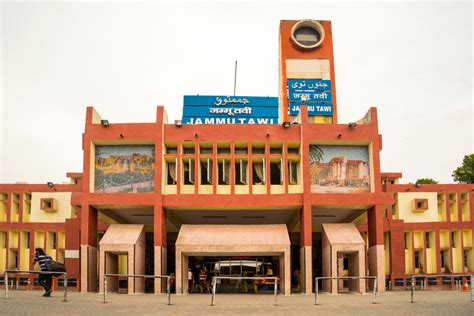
column 304, row 196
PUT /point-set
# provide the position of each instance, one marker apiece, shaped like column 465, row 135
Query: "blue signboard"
column 230, row 110
column 309, row 85
column 314, row 93
column 310, row 96
column 313, row 108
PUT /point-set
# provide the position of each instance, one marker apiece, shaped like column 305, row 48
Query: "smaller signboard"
column 314, row 93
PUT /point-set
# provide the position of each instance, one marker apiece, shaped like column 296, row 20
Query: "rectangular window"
column 224, row 172
column 465, row 258
column 453, row 240
column 276, row 173
column 241, row 150
column 188, row 171
column 240, row 172
column 258, row 150
column 206, row 150
column 443, row 263
column 27, row 241
column 406, row 240
column 206, row 171
column 346, row 263
column 417, row 259
column 171, row 179
column 293, row 172
column 223, row 150
column 427, row 240
column 171, row 150
column 293, row 150
column 258, row 172
column 53, row 240
column 275, row 151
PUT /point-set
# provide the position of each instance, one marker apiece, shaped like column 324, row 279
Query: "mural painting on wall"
column 339, row 169
column 124, row 169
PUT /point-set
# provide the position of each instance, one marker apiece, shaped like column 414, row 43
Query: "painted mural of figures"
column 128, row 168
column 339, row 169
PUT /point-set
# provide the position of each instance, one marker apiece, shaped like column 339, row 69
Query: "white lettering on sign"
column 302, row 84
column 231, row 120
column 231, row 111
column 228, row 100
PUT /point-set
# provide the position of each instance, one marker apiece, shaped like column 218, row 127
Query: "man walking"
column 45, row 280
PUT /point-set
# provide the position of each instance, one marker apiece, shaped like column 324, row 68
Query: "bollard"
column 412, row 289
column 275, row 290
column 213, row 290
column 375, row 291
column 65, row 288
column 168, row 287
column 105, row 289
column 6, row 285
column 316, row 293
column 472, row 288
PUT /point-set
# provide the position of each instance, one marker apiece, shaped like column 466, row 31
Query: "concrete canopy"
column 215, row 240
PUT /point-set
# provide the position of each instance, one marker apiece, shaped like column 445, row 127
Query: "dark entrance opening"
column 204, row 268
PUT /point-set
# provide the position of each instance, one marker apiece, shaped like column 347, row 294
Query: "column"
column 161, row 254
column 376, row 245
column 306, row 242
column 88, row 249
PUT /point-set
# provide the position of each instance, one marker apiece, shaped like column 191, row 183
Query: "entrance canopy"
column 233, row 240
column 228, row 239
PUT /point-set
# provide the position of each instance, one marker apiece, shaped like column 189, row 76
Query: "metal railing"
column 214, row 279
column 168, row 288
column 64, row 274
column 427, row 276
column 316, row 290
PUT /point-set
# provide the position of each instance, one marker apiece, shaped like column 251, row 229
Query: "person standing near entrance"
column 190, row 281
column 45, row 280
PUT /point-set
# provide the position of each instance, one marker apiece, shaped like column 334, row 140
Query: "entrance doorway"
column 204, row 268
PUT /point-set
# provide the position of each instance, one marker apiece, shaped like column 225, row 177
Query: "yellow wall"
column 409, row 254
column 122, row 264
column 3, row 251
column 405, row 210
column 39, row 239
column 63, row 205
column 453, row 207
column 24, row 251
column 457, row 253
column 442, row 207
column 431, row 254
column 466, row 212
column 387, row 252
column 3, row 207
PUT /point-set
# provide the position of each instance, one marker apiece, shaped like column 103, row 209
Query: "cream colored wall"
column 242, row 189
column 92, row 167
column 63, row 205
column 406, row 213
column 277, row 189
column 308, row 69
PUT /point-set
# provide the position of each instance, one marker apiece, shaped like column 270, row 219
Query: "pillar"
column 306, row 242
column 376, row 245
column 160, row 241
column 88, row 249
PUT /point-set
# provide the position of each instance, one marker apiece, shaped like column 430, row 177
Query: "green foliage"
column 426, row 181
column 315, row 154
column 465, row 172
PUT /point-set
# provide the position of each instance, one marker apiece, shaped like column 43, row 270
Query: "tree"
column 465, row 172
column 426, row 181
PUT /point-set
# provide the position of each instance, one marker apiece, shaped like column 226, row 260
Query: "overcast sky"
column 413, row 61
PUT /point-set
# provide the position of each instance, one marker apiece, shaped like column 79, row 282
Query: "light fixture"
column 352, row 124
column 104, row 123
column 178, row 123
column 122, row 136
column 417, row 185
column 196, row 135
column 286, row 124
column 268, row 135
column 50, row 184
column 339, row 135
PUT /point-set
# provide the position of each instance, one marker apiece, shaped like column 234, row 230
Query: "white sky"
column 411, row 60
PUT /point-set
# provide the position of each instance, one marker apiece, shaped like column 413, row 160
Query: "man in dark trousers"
column 45, row 280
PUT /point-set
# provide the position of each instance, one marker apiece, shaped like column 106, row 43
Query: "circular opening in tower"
column 307, row 34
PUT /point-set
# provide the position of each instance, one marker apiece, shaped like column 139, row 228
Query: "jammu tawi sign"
column 314, row 93
column 207, row 109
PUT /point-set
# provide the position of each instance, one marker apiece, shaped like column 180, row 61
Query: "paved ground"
column 427, row 303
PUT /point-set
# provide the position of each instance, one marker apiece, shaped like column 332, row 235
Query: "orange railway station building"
column 242, row 186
